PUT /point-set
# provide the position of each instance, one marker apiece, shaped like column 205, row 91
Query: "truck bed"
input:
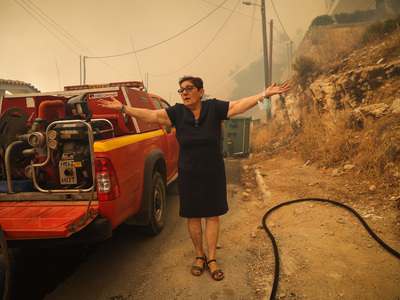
column 45, row 215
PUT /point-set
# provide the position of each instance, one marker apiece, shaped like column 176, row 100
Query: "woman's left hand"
column 113, row 103
column 273, row 89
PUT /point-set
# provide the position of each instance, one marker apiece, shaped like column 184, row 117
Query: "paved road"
column 133, row 266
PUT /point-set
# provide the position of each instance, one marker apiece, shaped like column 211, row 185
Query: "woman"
column 201, row 169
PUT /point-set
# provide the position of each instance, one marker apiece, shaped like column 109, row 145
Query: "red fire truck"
column 71, row 171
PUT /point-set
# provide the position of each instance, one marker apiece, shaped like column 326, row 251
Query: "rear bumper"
column 96, row 231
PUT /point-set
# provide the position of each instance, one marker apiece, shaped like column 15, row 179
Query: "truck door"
column 173, row 145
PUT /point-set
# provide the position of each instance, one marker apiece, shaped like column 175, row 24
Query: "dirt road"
column 325, row 253
column 131, row 266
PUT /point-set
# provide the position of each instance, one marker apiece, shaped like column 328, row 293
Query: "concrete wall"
column 322, row 43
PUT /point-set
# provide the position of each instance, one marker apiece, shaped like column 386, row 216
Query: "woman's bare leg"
column 212, row 234
column 196, row 233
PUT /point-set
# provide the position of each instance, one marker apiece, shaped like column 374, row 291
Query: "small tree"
column 305, row 67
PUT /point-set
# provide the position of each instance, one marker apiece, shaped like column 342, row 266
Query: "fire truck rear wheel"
column 157, row 205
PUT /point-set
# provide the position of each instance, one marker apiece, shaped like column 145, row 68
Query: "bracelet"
column 122, row 110
column 264, row 97
column 265, row 104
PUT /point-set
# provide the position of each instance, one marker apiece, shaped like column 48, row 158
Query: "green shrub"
column 305, row 67
column 322, row 20
column 379, row 29
column 357, row 16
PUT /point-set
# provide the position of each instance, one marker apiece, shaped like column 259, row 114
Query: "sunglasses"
column 188, row 89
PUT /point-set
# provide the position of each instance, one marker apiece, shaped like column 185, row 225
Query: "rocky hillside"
column 348, row 117
column 363, row 83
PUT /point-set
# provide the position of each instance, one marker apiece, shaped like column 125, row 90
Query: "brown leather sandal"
column 197, row 268
column 216, row 272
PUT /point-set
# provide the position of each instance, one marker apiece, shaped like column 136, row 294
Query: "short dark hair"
column 196, row 81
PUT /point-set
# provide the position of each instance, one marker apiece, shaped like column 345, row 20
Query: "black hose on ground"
column 7, row 264
column 276, row 254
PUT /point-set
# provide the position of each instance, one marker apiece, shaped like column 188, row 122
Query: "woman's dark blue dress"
column 201, row 168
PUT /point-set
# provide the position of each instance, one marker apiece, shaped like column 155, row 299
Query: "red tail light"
column 106, row 179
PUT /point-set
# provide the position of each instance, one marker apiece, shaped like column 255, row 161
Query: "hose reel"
column 12, row 123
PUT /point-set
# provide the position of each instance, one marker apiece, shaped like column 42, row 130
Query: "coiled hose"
column 276, row 254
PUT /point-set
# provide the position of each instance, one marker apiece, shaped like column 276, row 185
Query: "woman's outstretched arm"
column 242, row 105
column 159, row 116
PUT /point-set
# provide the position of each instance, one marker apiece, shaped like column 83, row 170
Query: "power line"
column 137, row 61
column 273, row 5
column 251, row 33
column 68, row 35
column 223, row 25
column 238, row 13
column 47, row 28
column 108, row 65
column 237, row 72
column 58, row 75
column 164, row 41
column 61, row 30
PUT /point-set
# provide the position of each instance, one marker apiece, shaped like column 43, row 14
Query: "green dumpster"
column 236, row 136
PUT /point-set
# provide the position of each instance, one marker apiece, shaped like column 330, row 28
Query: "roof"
column 16, row 87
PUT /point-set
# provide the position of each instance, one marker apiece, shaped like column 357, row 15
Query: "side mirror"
column 167, row 129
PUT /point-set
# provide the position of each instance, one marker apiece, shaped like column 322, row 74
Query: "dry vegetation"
column 365, row 160
column 334, row 143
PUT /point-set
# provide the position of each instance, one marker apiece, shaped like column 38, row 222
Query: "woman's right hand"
column 113, row 103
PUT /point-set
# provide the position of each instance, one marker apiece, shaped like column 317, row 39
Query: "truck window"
column 156, row 103
column 165, row 103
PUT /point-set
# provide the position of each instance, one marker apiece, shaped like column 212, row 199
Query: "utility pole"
column 84, row 70
column 265, row 46
column 267, row 71
column 288, row 58
column 271, row 29
column 291, row 53
column 80, row 69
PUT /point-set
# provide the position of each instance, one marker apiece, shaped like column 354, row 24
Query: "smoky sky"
column 43, row 41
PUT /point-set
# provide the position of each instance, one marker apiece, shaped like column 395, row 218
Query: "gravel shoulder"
column 325, row 252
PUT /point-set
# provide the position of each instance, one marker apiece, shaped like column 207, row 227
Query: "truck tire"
column 157, row 204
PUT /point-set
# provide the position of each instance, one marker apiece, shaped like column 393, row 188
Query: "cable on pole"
column 223, row 25
column 164, row 41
